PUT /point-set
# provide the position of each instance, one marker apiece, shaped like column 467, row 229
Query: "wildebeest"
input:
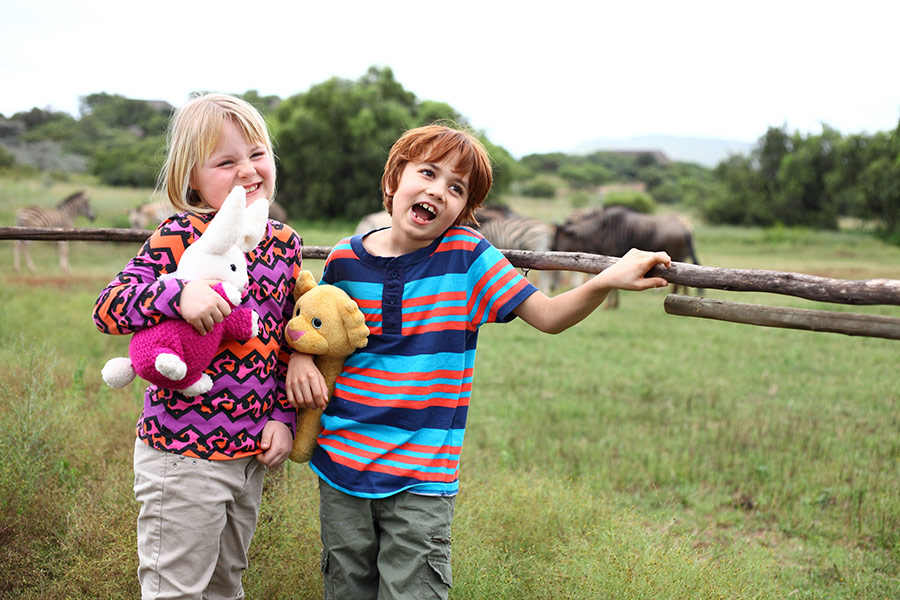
column 614, row 230
column 375, row 220
column 63, row 216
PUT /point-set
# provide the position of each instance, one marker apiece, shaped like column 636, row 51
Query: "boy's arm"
column 553, row 315
column 304, row 384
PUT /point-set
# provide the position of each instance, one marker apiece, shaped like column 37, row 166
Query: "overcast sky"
column 535, row 76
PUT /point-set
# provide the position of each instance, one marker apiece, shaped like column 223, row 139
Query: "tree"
column 800, row 195
column 112, row 111
column 879, row 183
column 333, row 141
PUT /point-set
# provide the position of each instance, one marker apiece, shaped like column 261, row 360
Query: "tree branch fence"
column 809, row 287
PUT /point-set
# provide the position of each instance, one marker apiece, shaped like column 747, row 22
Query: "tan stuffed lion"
column 328, row 324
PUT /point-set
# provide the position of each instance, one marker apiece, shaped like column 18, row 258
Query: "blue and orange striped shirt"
column 397, row 417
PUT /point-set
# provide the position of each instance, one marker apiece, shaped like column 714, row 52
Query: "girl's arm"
column 136, row 298
column 556, row 314
column 202, row 306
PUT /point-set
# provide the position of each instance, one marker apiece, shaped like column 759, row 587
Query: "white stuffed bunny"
column 172, row 354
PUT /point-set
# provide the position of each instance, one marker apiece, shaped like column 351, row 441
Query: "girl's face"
column 429, row 198
column 235, row 161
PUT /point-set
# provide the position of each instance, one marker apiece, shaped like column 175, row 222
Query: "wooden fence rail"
column 810, row 287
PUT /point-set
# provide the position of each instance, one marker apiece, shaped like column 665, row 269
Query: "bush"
column 7, row 159
column 539, row 187
column 633, row 199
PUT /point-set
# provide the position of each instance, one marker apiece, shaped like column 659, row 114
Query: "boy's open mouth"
column 424, row 212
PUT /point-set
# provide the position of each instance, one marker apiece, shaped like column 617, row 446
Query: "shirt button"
column 394, row 274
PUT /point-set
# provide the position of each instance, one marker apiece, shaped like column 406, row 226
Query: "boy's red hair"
column 436, row 143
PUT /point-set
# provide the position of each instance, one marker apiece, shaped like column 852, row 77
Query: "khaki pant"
column 195, row 524
column 385, row 548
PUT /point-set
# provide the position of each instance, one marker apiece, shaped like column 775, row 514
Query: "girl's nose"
column 246, row 169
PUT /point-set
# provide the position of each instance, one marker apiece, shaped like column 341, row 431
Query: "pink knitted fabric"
column 178, row 337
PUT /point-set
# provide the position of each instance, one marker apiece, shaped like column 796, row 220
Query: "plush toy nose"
column 295, row 335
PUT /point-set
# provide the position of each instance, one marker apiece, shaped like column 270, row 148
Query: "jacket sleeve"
column 281, row 410
column 137, row 298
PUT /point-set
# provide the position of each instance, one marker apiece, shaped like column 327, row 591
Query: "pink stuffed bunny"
column 172, row 354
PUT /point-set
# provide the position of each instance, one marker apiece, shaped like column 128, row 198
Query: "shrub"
column 539, row 187
column 633, row 199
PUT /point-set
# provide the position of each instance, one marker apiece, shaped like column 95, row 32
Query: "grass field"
column 638, row 455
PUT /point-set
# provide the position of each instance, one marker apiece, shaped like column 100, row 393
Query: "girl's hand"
column 628, row 273
column 276, row 444
column 305, row 386
column 201, row 306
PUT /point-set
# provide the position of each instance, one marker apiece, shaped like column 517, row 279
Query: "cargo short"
column 386, row 548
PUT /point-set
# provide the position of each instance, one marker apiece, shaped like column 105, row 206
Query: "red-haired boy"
column 388, row 454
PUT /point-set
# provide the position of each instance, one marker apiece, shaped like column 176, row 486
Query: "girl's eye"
column 457, row 189
column 427, row 172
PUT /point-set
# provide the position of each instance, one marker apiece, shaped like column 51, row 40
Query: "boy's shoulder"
column 459, row 237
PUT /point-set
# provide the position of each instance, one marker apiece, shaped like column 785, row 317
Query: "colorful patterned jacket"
column 248, row 377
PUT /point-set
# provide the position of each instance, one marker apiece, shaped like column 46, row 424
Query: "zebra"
column 509, row 231
column 62, row 217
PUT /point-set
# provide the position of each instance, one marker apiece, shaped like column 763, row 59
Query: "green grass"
column 638, row 455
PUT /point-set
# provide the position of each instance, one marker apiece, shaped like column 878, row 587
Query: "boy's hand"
column 202, row 306
column 628, row 273
column 305, row 386
column 276, row 444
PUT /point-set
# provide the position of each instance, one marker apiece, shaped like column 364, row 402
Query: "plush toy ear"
column 256, row 219
column 305, row 282
column 223, row 231
column 354, row 324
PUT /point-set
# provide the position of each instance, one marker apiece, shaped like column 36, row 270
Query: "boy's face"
column 429, row 198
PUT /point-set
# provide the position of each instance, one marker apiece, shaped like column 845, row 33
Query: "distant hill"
column 702, row 151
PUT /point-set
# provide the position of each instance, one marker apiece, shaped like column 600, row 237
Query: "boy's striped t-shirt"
column 397, row 417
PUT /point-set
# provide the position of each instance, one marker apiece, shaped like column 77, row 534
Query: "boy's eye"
column 427, row 172
column 457, row 189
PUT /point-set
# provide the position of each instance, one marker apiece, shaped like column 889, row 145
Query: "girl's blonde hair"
column 437, row 143
column 192, row 136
